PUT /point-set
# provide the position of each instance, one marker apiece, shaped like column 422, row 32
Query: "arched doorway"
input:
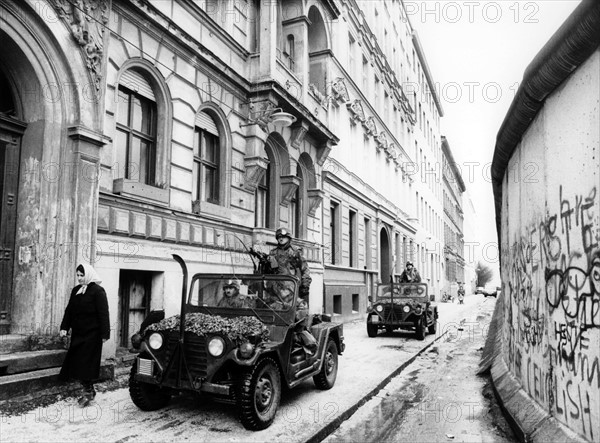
column 385, row 269
column 11, row 131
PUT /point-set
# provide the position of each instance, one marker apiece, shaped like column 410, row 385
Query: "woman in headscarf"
column 87, row 317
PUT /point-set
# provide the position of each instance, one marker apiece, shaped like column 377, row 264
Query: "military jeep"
column 244, row 354
column 402, row 306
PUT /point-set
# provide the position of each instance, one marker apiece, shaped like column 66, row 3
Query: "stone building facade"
column 134, row 130
column 382, row 183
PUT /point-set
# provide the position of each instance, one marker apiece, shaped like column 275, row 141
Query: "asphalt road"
column 438, row 397
column 305, row 414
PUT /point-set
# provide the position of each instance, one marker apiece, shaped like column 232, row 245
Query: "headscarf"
column 90, row 276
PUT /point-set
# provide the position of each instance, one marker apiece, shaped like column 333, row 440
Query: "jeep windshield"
column 401, row 290
column 272, row 293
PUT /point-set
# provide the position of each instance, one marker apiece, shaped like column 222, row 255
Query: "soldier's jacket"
column 288, row 260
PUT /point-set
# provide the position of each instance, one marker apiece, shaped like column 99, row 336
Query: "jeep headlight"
column 379, row 308
column 155, row 341
column 216, row 346
column 406, row 308
column 246, row 350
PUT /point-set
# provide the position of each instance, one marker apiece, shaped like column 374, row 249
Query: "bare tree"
column 484, row 274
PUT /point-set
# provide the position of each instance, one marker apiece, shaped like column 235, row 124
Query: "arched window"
column 207, row 160
column 135, row 141
column 317, row 43
column 290, row 52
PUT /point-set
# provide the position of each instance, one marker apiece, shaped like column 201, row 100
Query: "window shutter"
column 205, row 121
column 134, row 81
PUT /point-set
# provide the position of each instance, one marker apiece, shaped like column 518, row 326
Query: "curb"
column 330, row 427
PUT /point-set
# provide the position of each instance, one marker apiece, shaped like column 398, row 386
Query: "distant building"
column 454, row 238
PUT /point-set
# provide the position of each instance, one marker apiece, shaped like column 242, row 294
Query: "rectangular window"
column 365, row 75
column 261, row 202
column 333, row 232
column 352, row 238
column 351, row 50
column 355, row 303
column 337, row 304
column 367, row 241
column 206, row 166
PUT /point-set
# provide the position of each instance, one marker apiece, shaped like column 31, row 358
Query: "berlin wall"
column 550, row 240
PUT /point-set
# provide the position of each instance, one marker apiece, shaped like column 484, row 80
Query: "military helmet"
column 409, row 263
column 283, row 232
column 232, row 283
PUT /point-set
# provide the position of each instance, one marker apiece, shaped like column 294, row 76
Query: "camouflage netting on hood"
column 237, row 329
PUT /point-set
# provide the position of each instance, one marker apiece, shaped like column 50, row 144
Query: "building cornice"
column 428, row 76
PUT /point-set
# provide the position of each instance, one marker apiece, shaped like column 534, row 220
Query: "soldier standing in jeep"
column 287, row 260
column 410, row 274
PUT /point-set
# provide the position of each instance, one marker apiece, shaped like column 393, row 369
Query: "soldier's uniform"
column 287, row 260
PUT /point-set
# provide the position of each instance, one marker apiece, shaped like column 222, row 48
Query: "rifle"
column 263, row 266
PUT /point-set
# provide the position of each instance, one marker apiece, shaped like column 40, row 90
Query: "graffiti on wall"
column 551, row 273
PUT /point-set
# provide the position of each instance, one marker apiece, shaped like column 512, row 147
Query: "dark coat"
column 87, row 317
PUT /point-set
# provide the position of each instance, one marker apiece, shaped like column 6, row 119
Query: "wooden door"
column 135, row 287
column 11, row 131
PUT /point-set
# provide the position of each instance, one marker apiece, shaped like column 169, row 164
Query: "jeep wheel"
column 259, row 395
column 145, row 396
column 432, row 327
column 325, row 379
column 371, row 330
column 421, row 327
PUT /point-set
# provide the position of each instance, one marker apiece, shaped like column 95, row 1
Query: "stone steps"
column 27, row 361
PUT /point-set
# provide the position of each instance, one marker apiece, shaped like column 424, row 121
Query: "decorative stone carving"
column 289, row 184
column 87, row 20
column 315, row 197
column 381, row 141
column 370, row 126
column 323, row 152
column 356, row 111
column 299, row 130
column 339, row 91
column 255, row 168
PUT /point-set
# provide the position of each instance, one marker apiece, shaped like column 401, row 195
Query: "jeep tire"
column 325, row 379
column 371, row 330
column 421, row 327
column 145, row 396
column 432, row 327
column 259, row 394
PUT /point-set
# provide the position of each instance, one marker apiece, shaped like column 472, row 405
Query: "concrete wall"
column 551, row 258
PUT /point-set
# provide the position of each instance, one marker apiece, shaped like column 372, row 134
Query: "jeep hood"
column 236, row 329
